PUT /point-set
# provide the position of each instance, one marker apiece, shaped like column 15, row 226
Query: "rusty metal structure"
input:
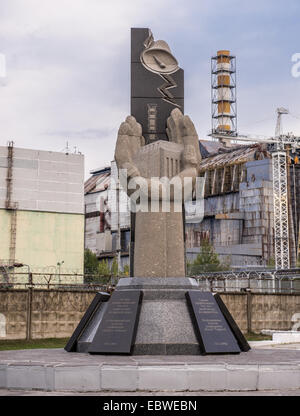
column 223, row 95
column 10, row 205
column 224, row 128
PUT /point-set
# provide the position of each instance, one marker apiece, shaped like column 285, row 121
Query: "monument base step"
column 158, row 316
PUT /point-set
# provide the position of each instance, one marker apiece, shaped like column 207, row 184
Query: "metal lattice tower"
column 280, row 144
column 280, row 198
column 281, row 222
column 9, row 204
column 223, row 95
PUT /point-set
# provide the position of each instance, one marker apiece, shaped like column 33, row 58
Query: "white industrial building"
column 41, row 209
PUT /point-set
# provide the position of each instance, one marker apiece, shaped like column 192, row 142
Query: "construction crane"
column 278, row 129
column 281, row 143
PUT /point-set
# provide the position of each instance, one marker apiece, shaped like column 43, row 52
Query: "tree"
column 206, row 261
column 91, row 262
column 95, row 271
column 271, row 263
column 126, row 270
column 114, row 267
column 104, row 269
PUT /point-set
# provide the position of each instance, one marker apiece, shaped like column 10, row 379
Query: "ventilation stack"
column 223, row 82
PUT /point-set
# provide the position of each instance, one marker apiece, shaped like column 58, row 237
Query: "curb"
column 184, row 377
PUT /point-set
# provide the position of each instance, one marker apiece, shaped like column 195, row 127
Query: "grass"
column 258, row 337
column 22, row 344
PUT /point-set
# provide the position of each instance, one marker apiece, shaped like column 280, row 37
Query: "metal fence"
column 35, row 302
column 261, row 281
column 267, row 281
column 49, row 281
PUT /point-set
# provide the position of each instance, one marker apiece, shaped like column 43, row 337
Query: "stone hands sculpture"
column 159, row 236
column 180, row 130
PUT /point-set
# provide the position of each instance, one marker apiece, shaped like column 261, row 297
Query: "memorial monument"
column 157, row 310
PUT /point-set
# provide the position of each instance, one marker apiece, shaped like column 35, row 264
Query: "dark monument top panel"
column 212, row 329
column 157, row 84
column 138, row 37
column 145, row 84
column 117, row 330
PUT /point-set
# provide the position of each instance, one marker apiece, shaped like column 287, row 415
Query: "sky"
column 67, row 66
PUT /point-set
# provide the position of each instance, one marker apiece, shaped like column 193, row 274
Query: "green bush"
column 100, row 272
column 95, row 271
column 91, row 262
column 271, row 263
column 114, row 267
column 103, row 268
column 206, row 261
column 126, row 270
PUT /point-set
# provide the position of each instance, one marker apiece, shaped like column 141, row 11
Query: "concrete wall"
column 262, row 311
column 45, row 238
column 240, row 225
column 56, row 313
column 44, row 181
column 237, row 306
column 235, row 254
column 256, row 202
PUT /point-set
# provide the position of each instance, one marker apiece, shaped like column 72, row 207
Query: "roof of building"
column 98, row 182
column 208, row 147
column 214, row 155
column 233, row 155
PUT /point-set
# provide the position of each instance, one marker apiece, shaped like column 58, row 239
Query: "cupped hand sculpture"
column 159, row 236
column 180, row 130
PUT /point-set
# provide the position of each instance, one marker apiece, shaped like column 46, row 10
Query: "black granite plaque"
column 94, row 306
column 213, row 332
column 243, row 344
column 117, row 330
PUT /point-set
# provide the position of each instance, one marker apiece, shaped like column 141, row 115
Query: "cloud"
column 68, row 65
